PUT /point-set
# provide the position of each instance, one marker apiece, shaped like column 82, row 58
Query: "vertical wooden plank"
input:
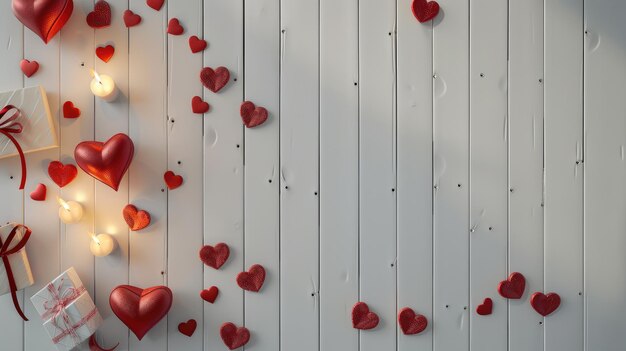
column 488, row 170
column 451, row 168
column 339, row 162
column 299, row 174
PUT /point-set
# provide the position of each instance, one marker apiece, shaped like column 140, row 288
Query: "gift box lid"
column 74, row 324
column 66, row 286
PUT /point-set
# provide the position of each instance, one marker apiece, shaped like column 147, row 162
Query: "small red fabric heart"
column 172, row 180
column 108, row 161
column 513, row 287
column 62, row 174
column 135, row 218
column 214, row 80
column 199, row 106
column 251, row 115
column 155, row 4
column 188, row 328
column 174, row 27
column 131, row 19
column 253, row 279
column 140, row 309
column 425, row 10
column 70, row 111
column 196, row 44
column 545, row 304
column 100, row 16
column 234, row 337
column 363, row 318
column 105, row 53
column 39, row 194
column 485, row 308
column 215, row 256
column 210, row 294
column 44, row 17
column 29, row 68
column 411, row 323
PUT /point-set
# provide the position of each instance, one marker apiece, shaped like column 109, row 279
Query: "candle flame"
column 94, row 238
column 62, row 202
column 97, row 76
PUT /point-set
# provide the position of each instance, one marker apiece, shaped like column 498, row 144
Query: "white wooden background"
column 403, row 164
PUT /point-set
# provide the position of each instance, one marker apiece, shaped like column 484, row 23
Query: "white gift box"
column 81, row 316
column 20, row 266
column 66, row 284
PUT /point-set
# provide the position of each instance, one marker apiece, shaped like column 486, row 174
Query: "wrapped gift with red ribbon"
column 15, row 272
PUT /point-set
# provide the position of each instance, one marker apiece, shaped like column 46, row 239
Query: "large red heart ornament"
column 62, row 174
column 215, row 80
column 140, row 309
column 425, row 10
column 251, row 115
column 253, row 279
column 411, row 323
column 214, row 256
column 234, row 337
column 545, row 304
column 108, row 161
column 513, row 287
column 44, row 17
column 363, row 318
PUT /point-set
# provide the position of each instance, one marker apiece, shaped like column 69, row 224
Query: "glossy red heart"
column 174, row 27
column 62, row 174
column 39, row 194
column 363, row 318
column 411, row 323
column 188, row 328
column 210, row 294
column 196, row 44
column 251, row 115
column 29, row 68
column 105, row 53
column 172, row 180
column 70, row 111
column 135, row 218
column 234, row 337
column 199, row 106
column 253, row 279
column 44, row 17
column 513, row 287
column 425, row 10
column 140, row 309
column 108, row 161
column 131, row 19
column 155, row 4
column 545, row 304
column 214, row 80
column 485, row 308
column 215, row 256
column 100, row 16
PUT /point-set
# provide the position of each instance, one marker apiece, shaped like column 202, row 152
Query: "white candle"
column 70, row 211
column 103, row 87
column 101, row 244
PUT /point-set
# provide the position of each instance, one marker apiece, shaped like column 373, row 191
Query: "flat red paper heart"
column 105, row 53
column 188, row 328
column 136, row 219
column 44, row 17
column 485, row 308
column 199, row 106
column 107, row 162
column 39, row 194
column 513, row 287
column 253, row 279
column 411, row 323
column 215, row 256
column 210, row 294
column 251, row 115
column 196, row 44
column 70, row 111
column 172, row 180
column 234, row 337
column 155, row 4
column 363, row 318
column 425, row 10
column 61, row 174
column 214, row 80
column 29, row 68
column 174, row 27
column 100, row 16
column 545, row 304
column 131, row 19
column 140, row 309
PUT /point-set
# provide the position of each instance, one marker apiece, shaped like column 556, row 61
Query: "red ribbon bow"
column 5, row 252
column 60, row 300
column 8, row 126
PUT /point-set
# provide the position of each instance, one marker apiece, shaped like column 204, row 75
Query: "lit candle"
column 70, row 211
column 101, row 244
column 103, row 87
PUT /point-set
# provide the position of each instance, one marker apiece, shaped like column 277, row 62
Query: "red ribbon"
column 8, row 126
column 69, row 329
column 5, row 252
column 60, row 300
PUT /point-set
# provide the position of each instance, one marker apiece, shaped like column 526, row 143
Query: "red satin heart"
column 155, row 4
column 100, row 16
column 411, row 323
column 234, row 337
column 29, row 68
column 513, row 287
column 188, row 328
column 199, row 106
column 136, row 219
column 131, row 19
column 140, row 309
column 251, row 115
column 61, row 174
column 425, row 10
column 215, row 256
column 545, row 304
column 485, row 308
column 210, row 294
column 39, row 194
column 174, row 27
column 172, row 180
column 107, row 162
column 196, row 44
column 70, row 111
column 363, row 318
column 214, row 80
column 44, row 17
column 105, row 53
column 253, row 279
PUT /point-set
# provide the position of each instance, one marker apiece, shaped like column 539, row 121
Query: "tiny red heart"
column 199, row 106
column 196, row 44
column 29, row 68
column 214, row 80
column 234, row 337
column 172, row 180
column 131, row 19
column 136, row 219
column 174, row 27
column 155, row 4
column 485, row 308
column 210, row 294
column 411, row 323
column 215, row 256
column 253, row 279
column 425, row 10
column 363, row 318
column 513, row 287
column 251, row 115
column 70, row 111
column 100, row 16
column 39, row 194
column 62, row 174
column 545, row 304
column 105, row 53
column 188, row 328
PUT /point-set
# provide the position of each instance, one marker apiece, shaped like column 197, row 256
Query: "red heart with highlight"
column 513, row 287
column 253, row 279
column 174, row 27
column 62, row 174
column 425, row 10
column 234, row 337
column 136, row 219
column 29, row 68
column 155, row 4
column 105, row 53
column 100, row 16
column 188, row 328
column 214, row 80
column 486, row 308
column 108, row 161
column 199, row 106
column 251, row 115
column 411, row 323
column 215, row 256
column 210, row 294
column 363, row 318
column 70, row 111
column 39, row 194
column 140, row 309
column 196, row 44
column 172, row 180
column 545, row 304
column 131, row 19
column 44, row 17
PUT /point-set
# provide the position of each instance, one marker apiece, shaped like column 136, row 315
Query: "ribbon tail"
column 13, row 288
column 22, row 158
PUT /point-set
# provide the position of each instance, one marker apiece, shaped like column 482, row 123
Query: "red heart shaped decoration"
column 545, row 304
column 188, row 328
column 215, row 256
column 485, row 308
column 100, row 16
column 70, row 111
column 29, row 68
column 199, row 106
column 253, row 279
column 251, row 115
column 425, row 10
column 39, row 194
column 61, row 174
column 140, row 309
column 174, row 27
column 411, row 323
column 172, row 180
column 513, row 287
column 136, row 219
column 44, row 17
column 196, row 44
column 234, row 337
column 105, row 53
column 363, row 318
column 210, row 294
column 156, row 4
column 131, row 19
column 107, row 162
column 214, row 80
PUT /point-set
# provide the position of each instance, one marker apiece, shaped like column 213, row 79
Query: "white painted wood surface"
column 389, row 172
